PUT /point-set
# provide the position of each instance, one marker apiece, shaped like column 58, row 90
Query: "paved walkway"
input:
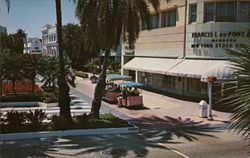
column 159, row 106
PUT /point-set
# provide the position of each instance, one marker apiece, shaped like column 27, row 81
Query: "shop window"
column 169, row 18
column 154, row 21
column 193, row 13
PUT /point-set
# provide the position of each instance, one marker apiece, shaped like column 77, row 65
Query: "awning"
column 221, row 69
column 153, row 65
column 114, row 77
column 130, row 84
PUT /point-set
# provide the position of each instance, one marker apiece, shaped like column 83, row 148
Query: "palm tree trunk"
column 64, row 99
column 99, row 90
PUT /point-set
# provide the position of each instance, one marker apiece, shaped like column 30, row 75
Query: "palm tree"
column 106, row 21
column 238, row 94
column 64, row 99
column 73, row 45
column 13, row 68
column 33, row 66
column 238, row 101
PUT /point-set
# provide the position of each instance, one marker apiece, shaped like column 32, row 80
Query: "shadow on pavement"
column 154, row 131
column 163, row 129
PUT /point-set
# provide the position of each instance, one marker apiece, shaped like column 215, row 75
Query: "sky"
column 31, row 15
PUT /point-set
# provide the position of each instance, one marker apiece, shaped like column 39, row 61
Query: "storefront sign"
column 219, row 39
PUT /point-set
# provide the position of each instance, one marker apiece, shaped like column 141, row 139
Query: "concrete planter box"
column 79, row 132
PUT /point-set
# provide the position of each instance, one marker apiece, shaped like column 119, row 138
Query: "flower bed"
column 20, row 87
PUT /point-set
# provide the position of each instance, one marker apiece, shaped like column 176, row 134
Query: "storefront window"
column 154, row 21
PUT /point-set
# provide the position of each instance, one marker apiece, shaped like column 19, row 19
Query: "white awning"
column 153, row 65
column 202, row 69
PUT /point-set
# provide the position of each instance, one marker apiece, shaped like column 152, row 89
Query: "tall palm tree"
column 107, row 21
column 64, row 99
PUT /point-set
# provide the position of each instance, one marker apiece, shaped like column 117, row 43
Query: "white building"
column 49, row 40
column 33, row 46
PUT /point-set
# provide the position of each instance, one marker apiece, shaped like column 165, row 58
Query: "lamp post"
column 210, row 80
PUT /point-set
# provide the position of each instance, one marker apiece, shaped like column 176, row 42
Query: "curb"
column 26, row 104
column 80, row 132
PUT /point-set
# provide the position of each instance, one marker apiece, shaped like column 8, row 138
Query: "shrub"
column 35, row 118
column 2, row 122
column 83, row 118
column 81, row 74
column 14, row 120
column 58, row 123
column 48, row 97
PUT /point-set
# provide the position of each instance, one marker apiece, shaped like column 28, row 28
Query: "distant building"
column 49, row 40
column 3, row 29
column 33, row 46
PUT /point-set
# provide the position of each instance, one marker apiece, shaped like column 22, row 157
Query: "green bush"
column 14, row 121
column 58, row 123
column 35, row 119
column 83, row 118
column 48, row 97
column 81, row 74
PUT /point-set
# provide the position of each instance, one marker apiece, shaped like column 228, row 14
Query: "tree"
column 106, row 21
column 239, row 101
column 73, row 44
column 64, row 99
column 238, row 94
column 49, row 70
column 13, row 68
column 33, row 66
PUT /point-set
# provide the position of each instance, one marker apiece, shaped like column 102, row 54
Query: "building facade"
column 33, row 46
column 3, row 29
column 49, row 40
column 188, row 42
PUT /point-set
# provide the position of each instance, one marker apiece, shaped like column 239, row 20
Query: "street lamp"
column 210, row 81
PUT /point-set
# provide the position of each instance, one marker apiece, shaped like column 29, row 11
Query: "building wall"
column 224, row 34
column 204, row 40
column 3, row 29
column 33, row 45
column 49, row 40
column 163, row 41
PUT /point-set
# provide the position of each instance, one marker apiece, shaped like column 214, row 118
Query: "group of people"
column 125, row 91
